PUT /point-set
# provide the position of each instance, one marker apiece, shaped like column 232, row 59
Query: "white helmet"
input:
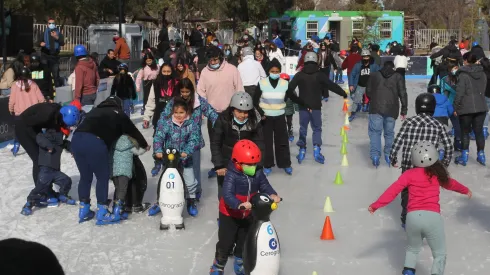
column 311, row 57
column 365, row 52
column 242, row 101
column 424, row 154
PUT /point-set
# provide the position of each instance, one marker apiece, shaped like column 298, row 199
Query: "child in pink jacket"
column 423, row 219
column 24, row 94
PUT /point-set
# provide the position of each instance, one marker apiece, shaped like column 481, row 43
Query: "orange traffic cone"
column 327, row 233
column 345, row 109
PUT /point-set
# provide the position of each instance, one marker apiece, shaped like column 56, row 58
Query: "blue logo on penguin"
column 270, row 231
column 171, row 176
column 273, row 244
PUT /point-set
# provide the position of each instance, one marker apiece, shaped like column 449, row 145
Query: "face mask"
column 365, row 61
column 454, row 71
column 51, row 26
column 274, row 76
column 240, row 122
column 173, row 49
column 249, row 170
column 215, row 43
column 215, row 66
column 227, row 52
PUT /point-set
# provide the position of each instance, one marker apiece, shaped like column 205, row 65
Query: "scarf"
column 47, row 38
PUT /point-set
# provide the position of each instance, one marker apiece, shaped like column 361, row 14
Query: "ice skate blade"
column 179, row 226
column 164, row 227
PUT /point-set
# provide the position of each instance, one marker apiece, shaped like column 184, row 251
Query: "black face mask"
column 365, row 61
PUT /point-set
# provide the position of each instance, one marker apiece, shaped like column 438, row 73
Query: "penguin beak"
column 274, row 206
column 171, row 157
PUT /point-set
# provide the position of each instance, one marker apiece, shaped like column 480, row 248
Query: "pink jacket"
column 423, row 193
column 220, row 85
column 20, row 100
column 146, row 74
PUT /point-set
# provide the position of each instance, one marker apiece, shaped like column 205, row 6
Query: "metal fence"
column 421, row 39
column 74, row 35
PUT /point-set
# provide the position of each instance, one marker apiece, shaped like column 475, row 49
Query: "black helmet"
column 434, row 89
column 35, row 58
column 25, row 73
column 123, row 66
column 425, row 103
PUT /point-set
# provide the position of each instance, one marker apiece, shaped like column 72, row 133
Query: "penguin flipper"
column 250, row 248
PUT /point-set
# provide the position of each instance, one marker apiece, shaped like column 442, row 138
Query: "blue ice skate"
column 192, row 207
column 375, row 161
column 53, row 202
column 301, row 155
column 472, row 135
column 291, row 135
column 155, row 209
column 267, row 171
column 105, row 217
column 238, row 266
column 216, row 269
column 67, row 200
column 463, row 159
column 155, row 170
column 118, row 210
column 325, row 99
column 16, row 148
column 365, row 108
column 441, row 155
column 27, row 209
column 481, row 158
column 485, row 132
column 291, row 138
column 318, row 156
column 408, row 272
column 352, row 116
column 340, row 82
column 289, row 170
column 387, row 159
column 198, row 196
column 142, row 111
column 84, row 213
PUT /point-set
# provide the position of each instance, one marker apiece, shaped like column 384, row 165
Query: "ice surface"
column 364, row 244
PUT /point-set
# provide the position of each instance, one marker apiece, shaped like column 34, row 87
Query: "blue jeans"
column 190, row 181
column 127, row 106
column 487, row 118
column 48, row 175
column 357, row 98
column 305, row 117
column 338, row 75
column 378, row 124
column 92, row 157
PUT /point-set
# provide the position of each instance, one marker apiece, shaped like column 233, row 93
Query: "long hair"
column 253, row 119
column 186, row 83
column 149, row 55
column 439, row 171
column 161, row 81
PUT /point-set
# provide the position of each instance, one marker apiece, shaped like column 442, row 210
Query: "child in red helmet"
column 241, row 183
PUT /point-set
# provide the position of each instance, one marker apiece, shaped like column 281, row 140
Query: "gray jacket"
column 470, row 90
column 52, row 141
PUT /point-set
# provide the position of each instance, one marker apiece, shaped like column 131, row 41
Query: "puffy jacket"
column 385, row 90
column 226, row 133
column 122, row 157
column 50, row 140
column 470, row 90
column 444, row 108
column 311, row 83
column 239, row 188
column 356, row 72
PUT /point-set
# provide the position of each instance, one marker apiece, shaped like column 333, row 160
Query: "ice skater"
column 423, row 219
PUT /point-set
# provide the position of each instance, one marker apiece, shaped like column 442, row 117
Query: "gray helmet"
column 365, row 52
column 247, row 51
column 311, row 57
column 424, row 154
column 242, row 101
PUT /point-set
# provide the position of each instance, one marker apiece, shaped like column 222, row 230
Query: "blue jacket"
column 444, row 108
column 239, row 188
column 356, row 73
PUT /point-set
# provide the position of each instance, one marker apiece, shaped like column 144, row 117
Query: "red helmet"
column 285, row 76
column 77, row 104
column 246, row 151
column 343, row 52
column 462, row 45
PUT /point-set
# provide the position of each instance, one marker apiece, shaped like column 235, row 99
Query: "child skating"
column 423, row 219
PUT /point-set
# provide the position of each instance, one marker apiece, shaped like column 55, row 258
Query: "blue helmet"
column 123, row 66
column 80, row 50
column 70, row 114
column 474, row 44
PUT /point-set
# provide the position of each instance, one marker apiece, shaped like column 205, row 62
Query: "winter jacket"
column 196, row 39
column 20, row 99
column 311, row 83
column 385, row 90
column 328, row 59
column 239, row 188
column 122, row 156
column 146, row 74
column 45, row 81
column 109, row 123
column 185, row 138
column 108, row 64
column 86, row 78
column 350, row 61
column 470, row 90
column 201, row 108
column 41, row 115
column 273, row 96
column 157, row 101
column 444, row 108
column 226, row 133
column 8, row 79
column 52, row 46
column 356, row 72
column 50, row 140
column 251, row 71
column 448, row 88
column 123, row 87
column 423, row 192
column 218, row 86
column 189, row 75
column 450, row 51
column 122, row 49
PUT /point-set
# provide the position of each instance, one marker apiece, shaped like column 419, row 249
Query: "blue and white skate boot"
column 441, row 155
column 105, row 217
column 267, row 171
column 52, row 202
column 481, row 158
column 463, row 159
column 27, row 209
column 16, row 148
column 84, row 213
column 155, row 209
column 216, row 269
column 485, row 132
column 155, row 170
column 212, row 173
column 238, row 266
column 67, row 200
column 291, row 138
column 408, row 272
column 192, row 207
column 118, row 210
column 387, row 159
column 289, row 170
column 301, row 155
column 472, row 135
column 352, row 116
column 318, row 156
column 375, row 161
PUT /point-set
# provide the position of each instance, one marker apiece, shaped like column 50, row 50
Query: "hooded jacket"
column 50, row 140
column 311, row 83
column 444, row 108
column 385, row 90
column 86, row 78
column 356, row 72
column 470, row 90
column 122, row 49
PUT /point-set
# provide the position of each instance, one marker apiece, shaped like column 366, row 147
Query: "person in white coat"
column 251, row 71
column 276, row 53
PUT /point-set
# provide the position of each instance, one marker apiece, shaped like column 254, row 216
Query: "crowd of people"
column 248, row 102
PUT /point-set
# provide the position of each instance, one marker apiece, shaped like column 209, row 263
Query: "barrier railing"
column 422, row 38
column 74, row 35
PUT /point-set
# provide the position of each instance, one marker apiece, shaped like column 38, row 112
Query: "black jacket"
column 450, row 51
column 109, row 123
column 385, row 90
column 311, row 83
column 196, row 38
column 50, row 140
column 111, row 64
column 478, row 52
column 327, row 60
column 123, row 87
column 44, row 79
column 42, row 115
column 470, row 90
column 226, row 133
column 486, row 68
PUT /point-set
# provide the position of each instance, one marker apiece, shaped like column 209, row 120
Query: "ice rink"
column 364, row 244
